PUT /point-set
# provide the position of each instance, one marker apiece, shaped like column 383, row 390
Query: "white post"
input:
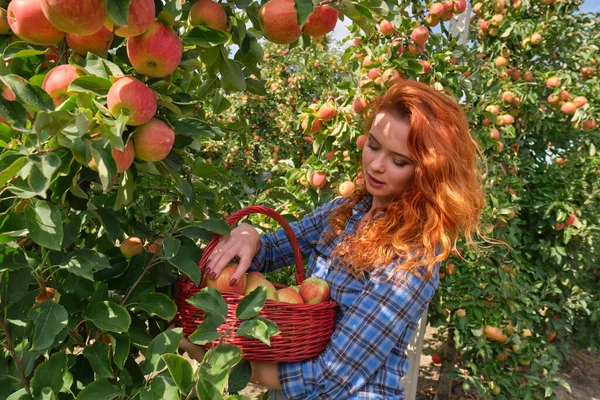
column 413, row 350
column 459, row 25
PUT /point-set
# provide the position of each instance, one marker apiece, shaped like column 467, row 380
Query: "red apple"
column 553, row 82
column 156, row 52
column 28, row 22
column 288, row 295
column 153, row 140
column 374, row 73
column 507, row 96
column 256, row 279
column 346, row 188
column 420, row 34
column 359, row 105
column 132, row 246
column 97, row 43
column 124, row 158
column 316, row 126
column 580, row 101
column 50, row 294
column 494, row 109
column 222, row 282
column 360, row 141
column 559, row 226
column 57, row 82
column 495, row 133
column 155, row 246
column 83, row 17
column 321, row 21
column 132, row 97
column 426, row 66
column 459, row 6
column 436, row 358
column 141, row 16
column 437, row 9
column 318, row 179
column 386, row 28
column 327, row 112
column 501, row 62
column 209, row 13
column 314, row 291
column 568, row 108
column 279, row 22
column 589, row 125
column 571, row 219
column 391, row 75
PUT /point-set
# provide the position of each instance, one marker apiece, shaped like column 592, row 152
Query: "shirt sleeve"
column 361, row 341
column 275, row 249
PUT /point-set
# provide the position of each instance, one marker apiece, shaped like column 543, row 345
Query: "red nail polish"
column 207, row 271
column 213, row 276
column 232, row 282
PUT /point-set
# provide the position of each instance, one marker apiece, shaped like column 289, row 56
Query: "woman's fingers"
column 245, row 260
column 193, row 350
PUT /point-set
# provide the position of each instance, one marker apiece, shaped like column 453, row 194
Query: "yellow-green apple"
column 153, row 140
column 386, row 28
column 222, row 282
column 83, row 17
column 580, row 101
column 318, row 179
column 497, row 20
column 346, row 188
column 209, row 13
column 571, row 219
column 314, row 291
column 288, row 295
column 132, row 246
column 97, row 43
column 552, row 82
column 359, row 105
column 132, row 97
column 327, row 112
column 321, row 21
column 494, row 333
column 27, row 20
column 279, row 22
column 256, row 279
column 360, row 141
column 589, row 125
column 141, row 16
column 420, row 34
column 535, row 39
column 461, row 313
column 156, row 52
column 568, row 108
column 4, row 26
column 296, row 288
column 501, row 62
column 124, row 158
column 57, row 82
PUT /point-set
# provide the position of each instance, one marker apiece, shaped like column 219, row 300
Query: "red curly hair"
column 445, row 199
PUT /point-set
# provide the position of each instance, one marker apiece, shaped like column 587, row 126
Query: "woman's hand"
column 193, row 350
column 243, row 243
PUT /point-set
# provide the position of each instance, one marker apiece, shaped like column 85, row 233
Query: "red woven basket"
column 305, row 328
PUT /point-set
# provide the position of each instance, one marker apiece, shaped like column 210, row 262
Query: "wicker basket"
column 305, row 328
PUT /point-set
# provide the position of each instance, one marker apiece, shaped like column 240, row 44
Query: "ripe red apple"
column 279, row 22
column 559, row 226
column 553, row 82
column 97, row 43
column 508, row 96
column 346, row 188
column 256, row 279
column 288, row 295
column 4, row 26
column 360, row 141
column 420, row 34
column 432, row 20
column 494, row 109
column 374, row 73
column 314, row 291
column 124, row 158
column 568, row 108
column 83, row 17
column 132, row 97
column 209, row 13
column 156, row 52
column 155, row 246
column 57, row 82
column 141, row 16
column 501, row 62
column 327, row 112
column 27, row 20
column 426, row 66
column 132, row 246
column 459, row 6
column 437, row 9
column 436, row 358
column 495, row 133
column 508, row 119
column 359, row 105
column 153, row 140
column 386, row 28
column 50, row 294
column 589, row 125
column 571, row 219
column 580, row 101
column 321, row 21
column 316, row 126
column 318, row 179
column 221, row 283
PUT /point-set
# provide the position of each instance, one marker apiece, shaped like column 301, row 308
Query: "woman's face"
column 388, row 166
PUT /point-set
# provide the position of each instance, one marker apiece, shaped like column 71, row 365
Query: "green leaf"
column 90, row 84
column 21, row 50
column 193, row 127
column 206, row 389
column 186, row 261
column 44, row 222
column 98, row 356
column 210, row 301
column 105, row 162
column 252, row 303
column 50, row 319
column 161, row 388
column 10, row 164
column 126, row 189
column 85, row 262
column 20, row 394
column 205, row 37
column 204, row 170
column 255, row 329
column 13, row 113
column 50, row 374
column 13, row 285
column 155, row 304
column 232, row 76
column 215, row 225
column 118, row 10
column 207, row 330
column 239, row 377
column 256, row 87
column 165, row 342
column 171, row 246
column 41, row 171
column 121, row 349
column 31, row 96
column 304, row 8
column 109, row 316
column 100, row 389
column 224, row 356
column 180, row 370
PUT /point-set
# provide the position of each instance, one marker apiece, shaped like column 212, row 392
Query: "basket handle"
column 236, row 216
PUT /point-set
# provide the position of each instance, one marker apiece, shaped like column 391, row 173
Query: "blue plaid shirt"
column 375, row 321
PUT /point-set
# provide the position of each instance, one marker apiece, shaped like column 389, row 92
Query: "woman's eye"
column 399, row 163
column 371, row 146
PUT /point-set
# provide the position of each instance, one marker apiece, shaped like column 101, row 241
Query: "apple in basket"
column 288, row 295
column 314, row 291
column 221, row 283
column 256, row 279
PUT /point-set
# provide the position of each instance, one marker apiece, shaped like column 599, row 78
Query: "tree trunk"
column 444, row 388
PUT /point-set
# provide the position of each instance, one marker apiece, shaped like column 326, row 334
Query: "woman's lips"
column 374, row 180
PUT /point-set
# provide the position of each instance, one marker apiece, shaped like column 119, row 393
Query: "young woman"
column 379, row 249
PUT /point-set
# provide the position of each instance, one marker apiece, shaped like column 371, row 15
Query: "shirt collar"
column 363, row 206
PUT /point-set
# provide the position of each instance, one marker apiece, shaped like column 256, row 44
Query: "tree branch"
column 11, row 348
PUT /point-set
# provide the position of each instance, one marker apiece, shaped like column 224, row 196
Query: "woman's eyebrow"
column 393, row 152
